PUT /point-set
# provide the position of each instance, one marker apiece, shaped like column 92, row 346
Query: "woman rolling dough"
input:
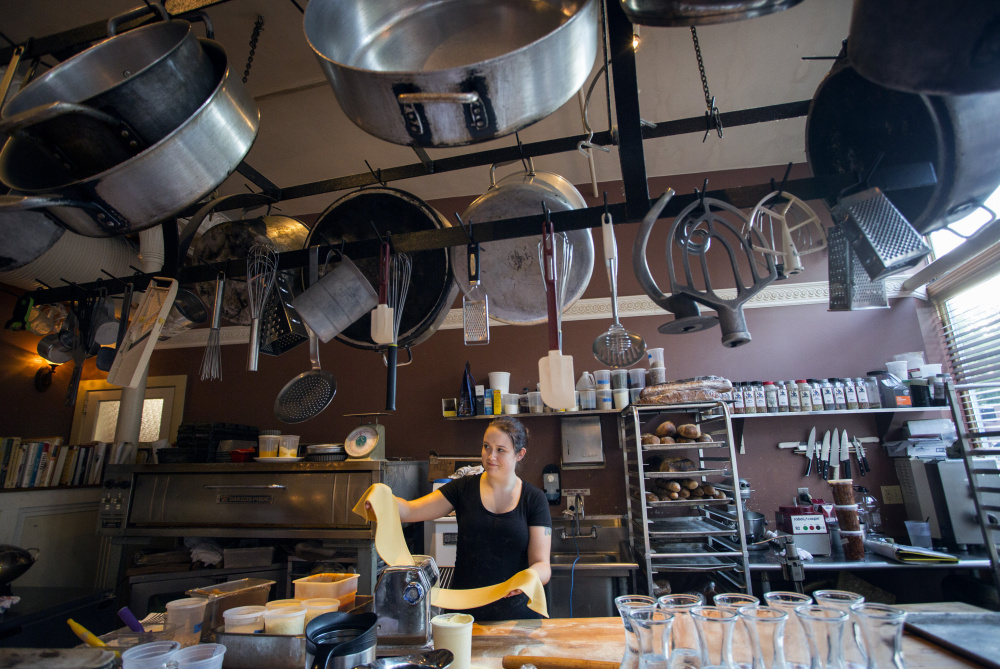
column 503, row 522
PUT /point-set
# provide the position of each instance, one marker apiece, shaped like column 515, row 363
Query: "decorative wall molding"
column 782, row 294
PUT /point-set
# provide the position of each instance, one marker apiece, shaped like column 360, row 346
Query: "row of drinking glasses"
column 839, row 631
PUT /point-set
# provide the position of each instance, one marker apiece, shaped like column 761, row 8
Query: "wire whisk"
column 262, row 268
column 210, row 362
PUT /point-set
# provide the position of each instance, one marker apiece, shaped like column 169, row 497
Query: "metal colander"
column 850, row 286
column 883, row 239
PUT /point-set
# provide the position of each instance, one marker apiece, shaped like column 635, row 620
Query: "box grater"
column 281, row 328
column 850, row 286
column 883, row 239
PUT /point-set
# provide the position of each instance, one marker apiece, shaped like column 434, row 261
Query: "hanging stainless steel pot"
column 927, row 46
column 108, row 103
column 24, row 236
column 853, row 121
column 178, row 170
column 509, row 270
column 452, row 73
column 15, row 561
column 699, row 12
column 433, row 291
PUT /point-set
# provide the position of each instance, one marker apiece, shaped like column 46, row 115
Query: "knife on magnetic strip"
column 824, row 456
column 810, row 450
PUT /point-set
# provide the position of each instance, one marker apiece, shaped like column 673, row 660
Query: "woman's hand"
column 513, row 593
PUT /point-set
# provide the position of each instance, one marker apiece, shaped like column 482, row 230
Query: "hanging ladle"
column 617, row 347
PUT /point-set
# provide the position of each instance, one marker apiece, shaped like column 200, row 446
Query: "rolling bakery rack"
column 684, row 535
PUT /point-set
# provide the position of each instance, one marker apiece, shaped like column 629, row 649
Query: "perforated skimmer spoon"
column 617, row 347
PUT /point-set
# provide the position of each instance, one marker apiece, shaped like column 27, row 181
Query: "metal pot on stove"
column 340, row 640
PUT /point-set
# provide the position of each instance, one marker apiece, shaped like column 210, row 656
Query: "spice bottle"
column 738, row 397
column 826, row 395
column 758, row 396
column 805, row 395
column 749, row 401
column 862, row 390
column 816, row 394
column 874, row 394
column 782, row 396
column 851, row 393
column 839, row 394
column 771, row 396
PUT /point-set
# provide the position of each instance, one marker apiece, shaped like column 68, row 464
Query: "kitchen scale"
column 366, row 442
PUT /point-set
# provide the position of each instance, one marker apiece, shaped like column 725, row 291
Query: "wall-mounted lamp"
column 636, row 38
column 43, row 377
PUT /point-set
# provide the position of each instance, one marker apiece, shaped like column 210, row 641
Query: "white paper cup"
column 189, row 615
column 244, row 619
column 500, row 381
column 453, row 631
column 285, row 620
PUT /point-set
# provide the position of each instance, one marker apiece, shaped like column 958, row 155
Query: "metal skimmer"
column 884, row 240
column 308, row 393
column 850, row 286
column 281, row 328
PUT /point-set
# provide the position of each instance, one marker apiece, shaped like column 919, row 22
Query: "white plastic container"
column 288, row 446
column 535, row 404
column 285, row 620
column 319, row 606
column 500, row 381
column 341, row 586
column 453, row 631
column 655, row 357
column 278, row 603
column 189, row 616
column 202, row 656
column 268, row 445
column 244, row 619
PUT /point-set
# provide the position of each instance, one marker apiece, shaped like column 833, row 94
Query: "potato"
column 689, row 430
column 666, row 429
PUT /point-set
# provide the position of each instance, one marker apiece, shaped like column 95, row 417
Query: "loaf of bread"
column 689, row 484
column 667, row 440
column 649, row 439
column 666, row 429
column 651, row 497
column 674, row 464
column 705, row 438
column 698, row 389
column 689, row 431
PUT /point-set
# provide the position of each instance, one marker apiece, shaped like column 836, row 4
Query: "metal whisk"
column 213, row 353
column 399, row 286
column 262, row 268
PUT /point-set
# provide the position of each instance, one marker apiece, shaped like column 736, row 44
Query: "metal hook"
column 43, row 284
column 135, row 269
column 377, row 233
column 105, row 272
column 388, row 240
column 606, row 212
column 467, row 229
column 784, row 179
column 376, row 173
column 545, row 208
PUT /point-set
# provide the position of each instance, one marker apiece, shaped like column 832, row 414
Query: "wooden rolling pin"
column 517, row 661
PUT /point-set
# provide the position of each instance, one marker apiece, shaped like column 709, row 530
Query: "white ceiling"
column 305, row 137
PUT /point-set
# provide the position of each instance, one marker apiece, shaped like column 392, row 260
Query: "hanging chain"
column 712, row 117
column 258, row 26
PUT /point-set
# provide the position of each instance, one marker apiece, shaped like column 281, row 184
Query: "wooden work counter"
column 604, row 639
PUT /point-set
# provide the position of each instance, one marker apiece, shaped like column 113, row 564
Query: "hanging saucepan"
column 853, row 121
column 927, row 46
column 508, row 269
column 452, row 73
column 699, row 12
column 154, row 185
column 233, row 240
column 25, row 235
column 108, row 103
column 15, row 561
column 432, row 290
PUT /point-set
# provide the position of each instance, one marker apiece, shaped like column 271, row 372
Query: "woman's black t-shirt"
column 492, row 547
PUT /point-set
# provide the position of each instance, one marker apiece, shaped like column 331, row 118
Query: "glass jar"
column 874, row 395
column 816, row 395
column 737, row 394
column 771, row 396
column 758, row 396
column 839, row 394
column 826, row 395
column 749, row 400
column 862, row 390
column 805, row 394
column 794, row 404
column 851, row 393
column 782, row 396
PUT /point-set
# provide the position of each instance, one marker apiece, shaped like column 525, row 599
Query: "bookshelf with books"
column 48, row 463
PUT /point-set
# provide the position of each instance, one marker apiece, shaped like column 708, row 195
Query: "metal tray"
column 684, row 447
column 971, row 635
column 687, row 475
column 692, row 557
column 679, row 528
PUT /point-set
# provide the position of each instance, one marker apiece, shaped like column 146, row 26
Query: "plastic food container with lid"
column 244, row 619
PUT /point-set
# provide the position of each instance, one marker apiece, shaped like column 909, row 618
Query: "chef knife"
column 810, row 449
column 845, row 456
column 824, row 455
column 862, row 458
column 834, row 470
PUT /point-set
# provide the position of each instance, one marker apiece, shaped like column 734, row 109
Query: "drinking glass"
column 742, row 648
column 796, row 648
column 766, row 629
column 824, row 628
column 652, row 628
column 735, row 600
column 715, row 625
column 854, row 646
column 626, row 604
column 882, row 628
column 684, row 650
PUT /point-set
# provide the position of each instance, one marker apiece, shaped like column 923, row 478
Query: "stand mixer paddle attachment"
column 617, row 347
column 262, row 267
column 399, row 285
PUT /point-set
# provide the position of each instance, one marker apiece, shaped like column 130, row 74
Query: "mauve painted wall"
column 788, row 342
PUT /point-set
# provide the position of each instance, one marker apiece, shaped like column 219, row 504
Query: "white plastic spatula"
column 382, row 314
column 555, row 371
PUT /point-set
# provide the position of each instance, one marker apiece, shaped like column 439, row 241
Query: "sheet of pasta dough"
column 391, row 547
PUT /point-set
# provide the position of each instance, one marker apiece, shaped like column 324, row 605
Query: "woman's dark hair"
column 514, row 429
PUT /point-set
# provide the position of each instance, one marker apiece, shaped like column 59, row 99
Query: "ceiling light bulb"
column 636, row 39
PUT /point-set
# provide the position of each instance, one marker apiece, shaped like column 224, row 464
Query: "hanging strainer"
column 850, row 286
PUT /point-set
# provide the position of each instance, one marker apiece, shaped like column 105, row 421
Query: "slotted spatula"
column 555, row 371
column 475, row 305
